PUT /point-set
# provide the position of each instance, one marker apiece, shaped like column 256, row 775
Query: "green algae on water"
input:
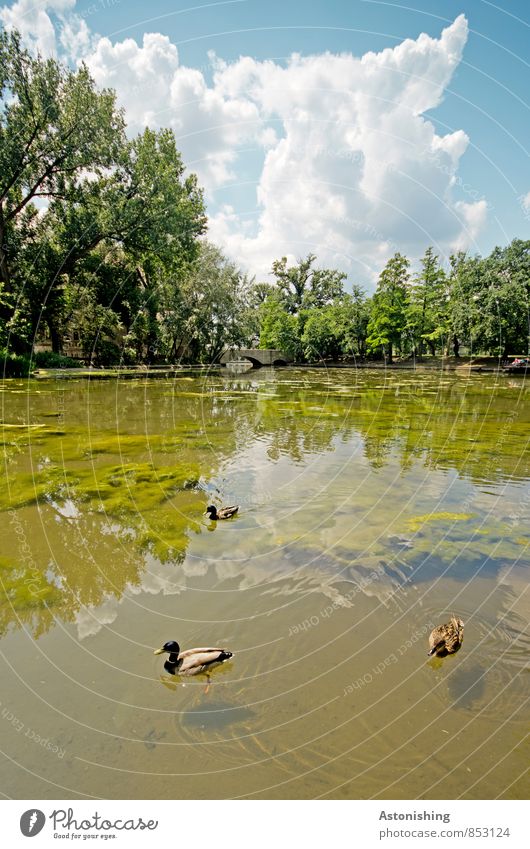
column 417, row 522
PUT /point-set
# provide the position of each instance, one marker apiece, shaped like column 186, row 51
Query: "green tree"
column 204, row 313
column 54, row 125
column 501, row 299
column 302, row 285
column 389, row 307
column 352, row 314
column 147, row 211
column 462, row 306
column 321, row 336
column 427, row 318
column 279, row 328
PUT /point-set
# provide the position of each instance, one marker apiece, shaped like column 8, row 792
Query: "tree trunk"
column 432, row 348
column 4, row 269
column 56, row 338
column 456, row 346
column 389, row 354
column 6, row 311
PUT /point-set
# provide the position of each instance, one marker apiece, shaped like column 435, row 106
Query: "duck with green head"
column 222, row 513
column 198, row 661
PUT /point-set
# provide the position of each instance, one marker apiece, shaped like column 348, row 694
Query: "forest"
column 104, row 249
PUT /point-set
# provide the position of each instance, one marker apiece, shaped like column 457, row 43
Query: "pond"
column 373, row 505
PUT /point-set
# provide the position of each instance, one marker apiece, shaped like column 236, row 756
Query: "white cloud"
column 473, row 218
column 32, row 19
column 159, row 92
column 525, row 200
column 351, row 169
column 359, row 172
column 50, row 27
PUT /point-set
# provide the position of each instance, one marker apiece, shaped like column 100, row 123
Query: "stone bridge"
column 257, row 356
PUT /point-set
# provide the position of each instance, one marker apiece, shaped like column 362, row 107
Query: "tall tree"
column 147, row 209
column 389, row 305
column 502, row 300
column 427, row 319
column 54, row 124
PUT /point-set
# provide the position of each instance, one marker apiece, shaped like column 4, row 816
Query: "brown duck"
column 447, row 639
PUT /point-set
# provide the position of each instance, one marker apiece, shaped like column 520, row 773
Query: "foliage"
column 48, row 359
column 14, row 365
column 427, row 317
column 279, row 328
column 388, row 315
column 205, row 312
column 302, row 285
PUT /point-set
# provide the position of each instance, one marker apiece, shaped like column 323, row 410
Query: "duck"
column 446, row 639
column 222, row 513
column 195, row 661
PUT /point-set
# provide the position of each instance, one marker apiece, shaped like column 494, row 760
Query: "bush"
column 48, row 359
column 14, row 365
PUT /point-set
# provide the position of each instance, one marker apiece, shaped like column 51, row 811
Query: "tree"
column 427, row 319
column 462, row 307
column 321, row 336
column 54, row 125
column 304, row 286
column 501, row 300
column 204, row 312
column 389, row 304
column 352, row 314
column 146, row 211
column 279, row 328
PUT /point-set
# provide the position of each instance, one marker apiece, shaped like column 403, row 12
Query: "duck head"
column 458, row 624
column 211, row 511
column 171, row 647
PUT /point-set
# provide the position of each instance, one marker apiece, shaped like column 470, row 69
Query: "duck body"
column 446, row 639
column 192, row 661
column 222, row 513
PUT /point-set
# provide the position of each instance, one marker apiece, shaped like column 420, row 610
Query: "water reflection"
column 117, row 492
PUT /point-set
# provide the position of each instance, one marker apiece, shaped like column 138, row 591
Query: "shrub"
column 14, row 365
column 49, row 359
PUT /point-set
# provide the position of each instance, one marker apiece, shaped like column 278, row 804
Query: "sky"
column 350, row 129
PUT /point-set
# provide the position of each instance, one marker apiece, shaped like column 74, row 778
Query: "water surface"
column 372, row 507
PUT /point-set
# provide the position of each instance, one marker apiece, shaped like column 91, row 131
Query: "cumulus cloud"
column 50, row 27
column 157, row 91
column 348, row 166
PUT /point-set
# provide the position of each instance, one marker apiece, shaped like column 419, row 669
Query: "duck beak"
column 159, row 651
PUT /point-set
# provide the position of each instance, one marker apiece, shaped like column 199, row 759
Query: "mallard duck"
column 192, row 661
column 446, row 639
column 222, row 513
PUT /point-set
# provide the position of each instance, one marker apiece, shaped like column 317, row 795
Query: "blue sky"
column 374, row 139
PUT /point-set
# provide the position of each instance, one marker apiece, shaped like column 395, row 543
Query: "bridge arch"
column 257, row 356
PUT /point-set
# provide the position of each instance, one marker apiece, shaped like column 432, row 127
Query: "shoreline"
column 462, row 366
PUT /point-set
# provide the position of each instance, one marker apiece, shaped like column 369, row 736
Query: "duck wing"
column 226, row 512
column 437, row 639
column 193, row 661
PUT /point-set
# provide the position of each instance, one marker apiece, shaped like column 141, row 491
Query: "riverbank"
column 461, row 365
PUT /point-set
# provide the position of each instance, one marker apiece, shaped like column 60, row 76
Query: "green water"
column 372, row 507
